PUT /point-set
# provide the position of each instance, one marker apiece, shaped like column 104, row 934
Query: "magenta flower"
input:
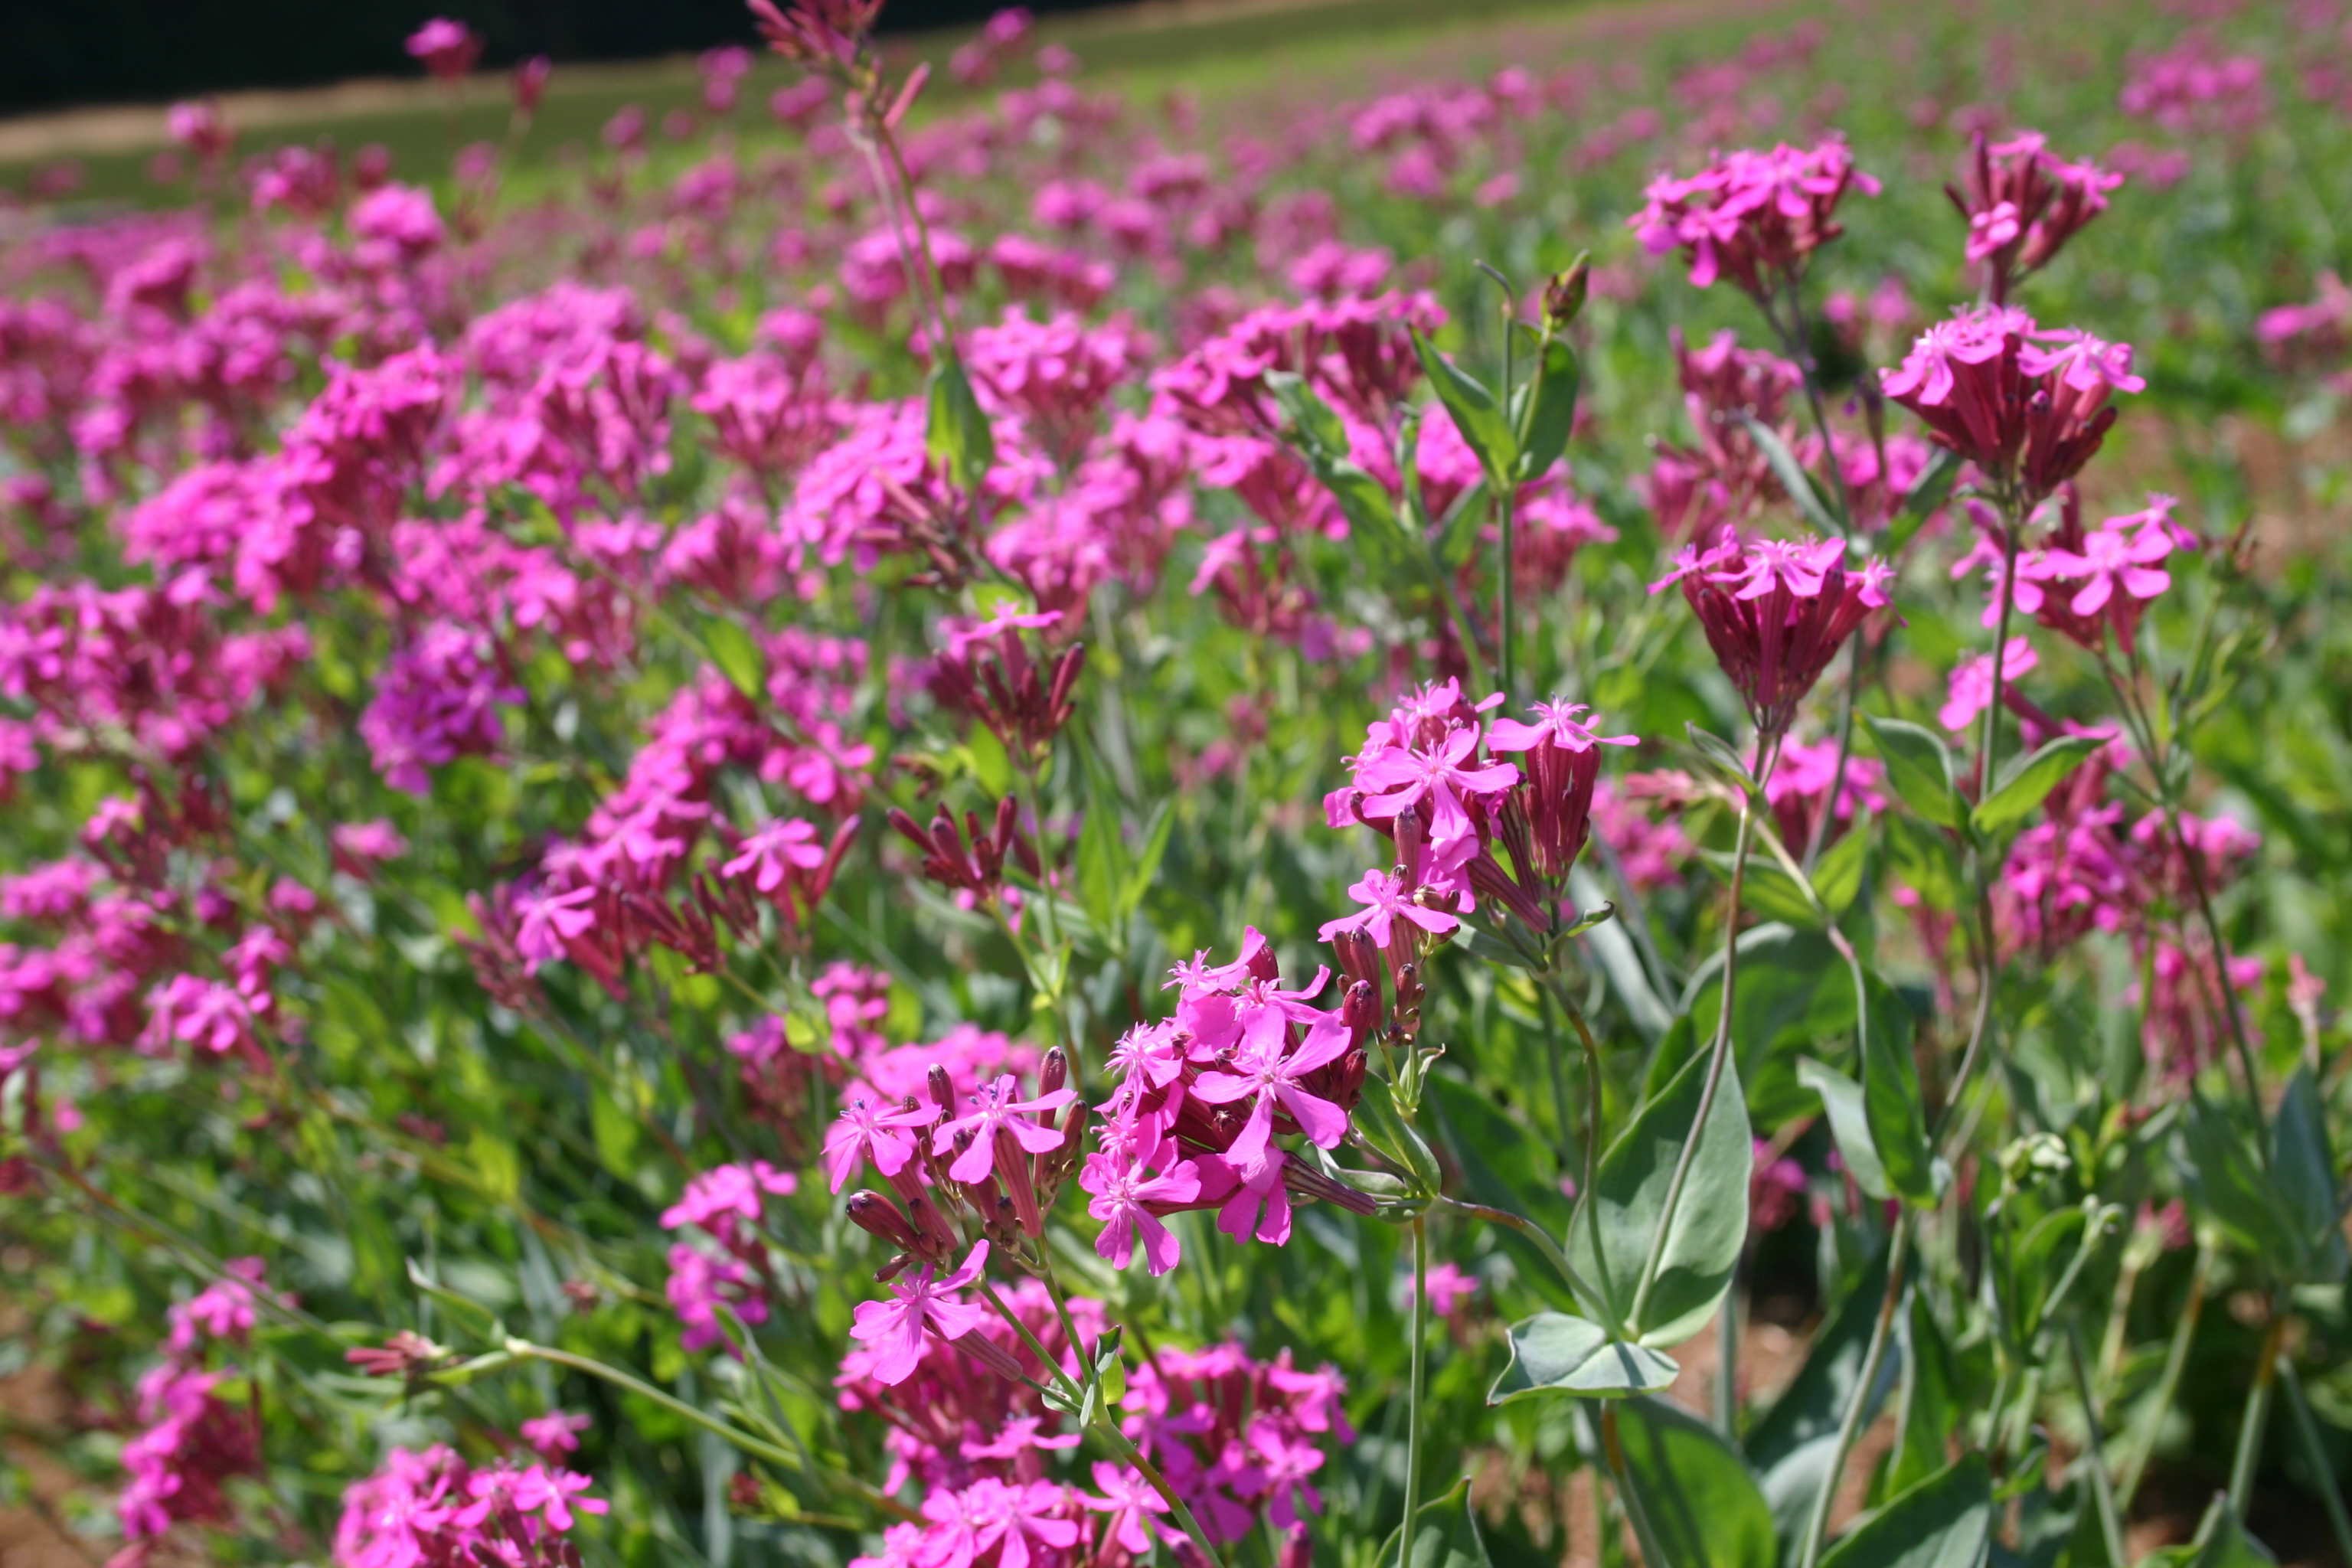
column 1130, row 1501
column 1971, row 686
column 1122, row 1187
column 864, row 1132
column 1388, row 898
column 1755, row 217
column 918, row 1302
column 1398, row 779
column 1563, row 769
column 448, row 48
column 1448, row 1288
column 2109, row 560
column 770, row 855
column 1280, row 1465
column 996, row 1112
column 555, row 1432
column 718, row 1197
column 1273, row 1079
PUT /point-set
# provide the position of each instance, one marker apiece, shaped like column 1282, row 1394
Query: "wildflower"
column 1776, row 613
column 918, row 1303
column 2026, row 414
column 1122, row 1190
column 1272, row 1075
column 1970, row 692
column 985, row 1138
column 1448, row 1288
column 1130, row 1501
column 2022, row 204
column 448, row 48
column 724, row 1196
column 1388, row 898
column 865, row 1131
column 1755, row 217
column 1562, row 767
column 555, row 1432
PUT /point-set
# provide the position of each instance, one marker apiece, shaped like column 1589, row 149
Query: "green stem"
column 1726, row 1356
column 2256, row 1420
column 1721, row 1054
column 1817, row 1527
column 1613, row 1448
column 2094, row 1459
column 2167, row 1384
column 1414, row 1388
column 2314, row 1454
column 1508, row 611
column 1547, row 1246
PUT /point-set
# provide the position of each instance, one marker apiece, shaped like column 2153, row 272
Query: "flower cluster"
column 2027, row 405
column 2023, row 203
column 192, row 1438
column 1776, row 612
column 432, row 1510
column 1755, row 217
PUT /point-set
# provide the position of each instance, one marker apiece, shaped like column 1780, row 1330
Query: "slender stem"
column 2314, row 1454
column 2013, row 524
column 2167, row 1384
column 1414, row 1389
column 1722, row 1054
column 1544, row 1242
column 2256, row 1420
column 1106, row 1424
column 1847, row 701
column 1612, row 1445
column 1817, row 1527
column 2103, row 1492
column 1506, row 611
column 1726, row 1356
column 1559, row 1103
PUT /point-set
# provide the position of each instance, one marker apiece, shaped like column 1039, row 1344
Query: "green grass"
column 1334, row 50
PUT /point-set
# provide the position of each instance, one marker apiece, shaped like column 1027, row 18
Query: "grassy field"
column 1228, row 53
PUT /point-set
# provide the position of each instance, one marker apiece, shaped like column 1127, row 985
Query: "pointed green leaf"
column 1890, row 1090
column 1931, row 1409
column 1380, row 1121
column 2222, row 1541
column 1147, row 864
column 1549, row 413
column 2027, row 781
column 1554, row 1352
column 956, row 431
column 1919, row 767
column 1444, row 1534
column 1312, row 420
column 738, row 657
column 2229, row 1186
column 1945, row 1521
column 1724, row 756
column 1849, row 1125
column 1610, row 1241
column 1702, row 1505
column 2302, row 1169
column 1476, row 414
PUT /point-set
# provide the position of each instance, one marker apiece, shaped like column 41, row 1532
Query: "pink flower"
column 718, row 1197
column 555, row 1432
column 1388, row 898
column 1448, row 1288
column 1129, row 1500
column 864, row 1131
column 769, row 854
column 1396, row 779
column 996, row 1112
column 448, row 48
column 896, row 1327
column 1272, row 1078
column 1971, row 684
column 1122, row 1187
column 1281, row 1463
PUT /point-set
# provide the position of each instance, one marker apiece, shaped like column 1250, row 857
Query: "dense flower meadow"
column 1588, row 811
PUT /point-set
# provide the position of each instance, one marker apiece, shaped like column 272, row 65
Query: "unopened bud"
column 1564, row 295
column 1360, row 1010
column 877, row 1216
column 942, row 1089
column 1053, row 1071
column 1298, row 1551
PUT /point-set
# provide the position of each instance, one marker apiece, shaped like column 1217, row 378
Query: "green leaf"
column 1101, row 864
column 2225, row 1543
column 738, row 657
column 2027, row 781
column 1791, row 1444
column 1927, row 492
column 1494, row 951
column 2303, row 1171
column 1499, row 1164
column 1610, row 1240
column 1849, row 1125
column 1838, row 875
column 1553, row 1352
column 1146, row 866
column 1792, row 476
column 1312, row 420
column 1945, row 1521
column 1890, row 1088
column 1919, row 767
column 1388, row 1131
column 1549, row 410
column 956, row 431
column 1931, row 1408
column 1476, row 414
column 1792, row 985
column 2229, row 1185
column 1702, row 1505
column 1444, row 1534
column 1724, row 756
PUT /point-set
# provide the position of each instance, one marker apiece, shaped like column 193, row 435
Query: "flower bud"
column 877, row 1216
column 1563, row 299
column 1053, row 1072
